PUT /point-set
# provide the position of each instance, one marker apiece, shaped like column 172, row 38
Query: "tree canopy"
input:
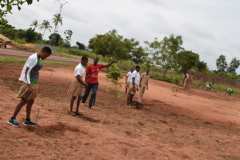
column 221, row 63
column 6, row 6
column 112, row 44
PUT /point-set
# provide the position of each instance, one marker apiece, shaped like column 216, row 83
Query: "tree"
column 81, row 46
column 45, row 26
column 202, row 66
column 187, row 60
column 235, row 63
column 57, row 20
column 34, row 25
column 112, row 44
column 7, row 29
column 164, row 52
column 6, row 6
column 221, row 63
column 55, row 39
column 138, row 55
column 31, row 36
column 68, row 36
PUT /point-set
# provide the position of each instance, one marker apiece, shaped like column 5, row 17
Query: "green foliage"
column 28, row 35
column 7, row 29
column 114, row 45
column 235, row 63
column 221, row 63
column 55, row 39
column 74, row 51
column 57, row 20
column 164, row 52
column 209, row 85
column 45, row 26
column 174, row 78
column 6, row 6
column 68, row 36
column 125, row 65
column 81, row 46
column 230, row 91
column 114, row 73
column 202, row 66
column 34, row 25
column 187, row 60
column 31, row 36
column 138, row 55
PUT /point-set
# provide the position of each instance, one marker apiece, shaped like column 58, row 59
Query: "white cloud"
column 208, row 27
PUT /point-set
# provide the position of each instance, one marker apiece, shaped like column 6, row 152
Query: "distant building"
column 4, row 41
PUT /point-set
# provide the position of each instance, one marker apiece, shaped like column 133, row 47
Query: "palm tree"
column 34, row 25
column 45, row 25
column 57, row 20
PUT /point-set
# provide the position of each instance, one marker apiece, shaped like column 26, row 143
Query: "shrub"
column 114, row 73
column 230, row 91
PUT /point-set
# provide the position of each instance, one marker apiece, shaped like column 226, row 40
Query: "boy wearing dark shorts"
column 28, row 91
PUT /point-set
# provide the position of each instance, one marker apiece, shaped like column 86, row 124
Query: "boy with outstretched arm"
column 92, row 73
column 28, row 91
column 78, row 84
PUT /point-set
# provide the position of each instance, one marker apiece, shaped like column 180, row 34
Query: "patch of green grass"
column 217, row 87
column 10, row 59
column 20, row 60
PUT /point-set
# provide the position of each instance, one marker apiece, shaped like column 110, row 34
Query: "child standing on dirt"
column 92, row 81
column 78, row 84
column 143, row 85
column 187, row 80
column 134, row 85
column 28, row 91
column 128, row 80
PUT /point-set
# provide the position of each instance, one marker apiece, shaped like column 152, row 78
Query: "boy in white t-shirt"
column 128, row 80
column 134, row 85
column 28, row 91
column 78, row 84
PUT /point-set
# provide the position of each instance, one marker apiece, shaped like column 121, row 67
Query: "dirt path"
column 202, row 104
column 172, row 126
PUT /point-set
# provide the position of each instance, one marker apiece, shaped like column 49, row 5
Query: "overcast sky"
column 209, row 27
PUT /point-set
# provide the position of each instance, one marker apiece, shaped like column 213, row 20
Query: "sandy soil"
column 173, row 125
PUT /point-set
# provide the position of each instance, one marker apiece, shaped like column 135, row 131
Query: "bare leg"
column 72, row 103
column 78, row 103
column 29, row 109
column 18, row 108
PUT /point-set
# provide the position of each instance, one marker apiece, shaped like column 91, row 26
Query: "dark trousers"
column 91, row 88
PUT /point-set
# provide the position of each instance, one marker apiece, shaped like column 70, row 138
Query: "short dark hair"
column 84, row 58
column 47, row 50
column 138, row 67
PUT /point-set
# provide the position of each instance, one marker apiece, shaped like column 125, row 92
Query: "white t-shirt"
column 129, row 77
column 31, row 62
column 137, row 77
column 80, row 70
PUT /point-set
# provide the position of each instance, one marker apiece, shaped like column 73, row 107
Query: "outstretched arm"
column 110, row 64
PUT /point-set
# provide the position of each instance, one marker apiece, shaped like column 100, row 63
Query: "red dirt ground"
column 174, row 125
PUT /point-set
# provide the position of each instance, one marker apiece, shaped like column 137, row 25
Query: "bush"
column 171, row 78
column 31, row 36
column 114, row 73
column 55, row 39
column 230, row 91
